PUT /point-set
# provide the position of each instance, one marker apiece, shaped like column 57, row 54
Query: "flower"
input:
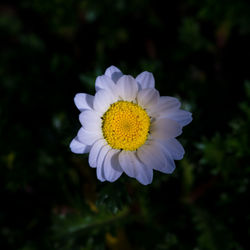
column 128, row 127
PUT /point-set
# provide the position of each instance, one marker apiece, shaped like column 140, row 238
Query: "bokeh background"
column 197, row 50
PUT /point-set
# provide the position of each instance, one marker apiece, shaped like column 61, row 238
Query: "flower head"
column 128, row 127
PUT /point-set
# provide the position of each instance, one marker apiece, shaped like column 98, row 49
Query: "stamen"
column 125, row 125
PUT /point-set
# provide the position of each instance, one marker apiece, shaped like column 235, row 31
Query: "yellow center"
column 125, row 125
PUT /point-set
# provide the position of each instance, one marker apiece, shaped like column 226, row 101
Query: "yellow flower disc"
column 125, row 125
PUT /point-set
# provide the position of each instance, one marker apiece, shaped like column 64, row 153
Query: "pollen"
column 125, row 125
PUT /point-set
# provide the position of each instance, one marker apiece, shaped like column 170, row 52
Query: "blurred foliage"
column 51, row 50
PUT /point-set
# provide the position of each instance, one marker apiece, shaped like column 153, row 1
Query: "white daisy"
column 128, row 127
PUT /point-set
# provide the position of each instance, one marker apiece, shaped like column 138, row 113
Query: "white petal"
column 103, row 99
column 114, row 73
column 134, row 168
column 174, row 148
column 166, row 103
column 127, row 88
column 146, row 80
column 170, row 164
column 181, row 116
column 100, row 160
column 128, row 163
column 163, row 129
column 148, row 98
column 79, row 148
column 111, row 167
column 83, row 101
column 90, row 121
column 169, row 102
column 153, row 154
column 94, row 152
column 100, row 174
column 88, row 138
column 145, row 173
column 104, row 82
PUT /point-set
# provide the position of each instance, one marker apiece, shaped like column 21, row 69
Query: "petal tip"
column 83, row 101
column 114, row 73
column 146, row 80
column 77, row 147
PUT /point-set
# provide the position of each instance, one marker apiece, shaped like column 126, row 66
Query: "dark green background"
column 197, row 50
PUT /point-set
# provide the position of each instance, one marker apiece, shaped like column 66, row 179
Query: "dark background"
column 197, row 50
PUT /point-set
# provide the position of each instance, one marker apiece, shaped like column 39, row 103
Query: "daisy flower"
column 128, row 127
